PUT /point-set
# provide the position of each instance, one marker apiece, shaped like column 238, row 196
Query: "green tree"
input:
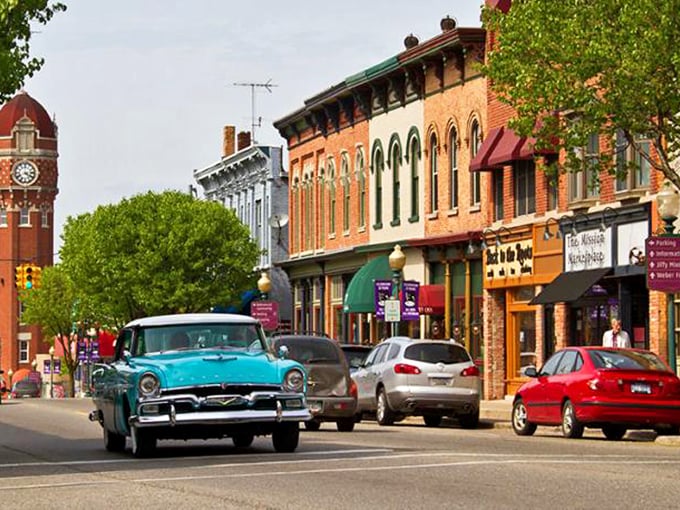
column 155, row 254
column 51, row 306
column 605, row 65
column 16, row 62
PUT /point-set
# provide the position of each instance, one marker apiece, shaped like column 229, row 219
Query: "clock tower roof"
column 23, row 105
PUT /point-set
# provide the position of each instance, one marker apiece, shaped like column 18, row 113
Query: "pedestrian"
column 615, row 337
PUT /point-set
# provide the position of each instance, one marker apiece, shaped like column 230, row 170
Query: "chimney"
column 242, row 140
column 228, row 141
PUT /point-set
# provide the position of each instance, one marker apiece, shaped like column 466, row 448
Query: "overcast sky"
column 142, row 88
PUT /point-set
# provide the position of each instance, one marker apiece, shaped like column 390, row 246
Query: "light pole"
column 264, row 285
column 397, row 260
column 51, row 351
column 667, row 201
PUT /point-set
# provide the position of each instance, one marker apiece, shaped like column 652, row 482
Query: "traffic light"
column 37, row 274
column 28, row 276
column 19, row 275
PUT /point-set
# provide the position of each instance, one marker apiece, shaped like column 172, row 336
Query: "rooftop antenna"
column 268, row 86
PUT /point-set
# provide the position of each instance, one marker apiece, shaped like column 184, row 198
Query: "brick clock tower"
column 28, row 188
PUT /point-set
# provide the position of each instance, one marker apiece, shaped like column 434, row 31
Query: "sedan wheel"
column 520, row 421
column 571, row 427
column 614, row 432
column 383, row 413
column 143, row 442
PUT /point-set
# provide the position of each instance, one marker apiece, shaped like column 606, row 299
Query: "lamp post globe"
column 668, row 202
column 264, row 285
column 51, row 351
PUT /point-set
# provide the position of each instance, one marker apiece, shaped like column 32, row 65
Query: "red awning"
column 431, row 300
column 507, row 149
column 527, row 150
column 481, row 161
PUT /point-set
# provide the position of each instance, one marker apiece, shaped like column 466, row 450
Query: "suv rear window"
column 626, row 360
column 310, row 350
column 437, row 353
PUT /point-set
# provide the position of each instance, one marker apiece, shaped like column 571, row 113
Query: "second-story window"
column 24, row 217
column 309, row 213
column 434, row 175
column 396, row 184
column 44, row 218
column 322, row 206
column 453, row 168
column 525, row 187
column 475, row 178
column 360, row 169
column 415, row 179
column 345, row 192
column 378, row 165
column 632, row 162
column 497, row 183
column 332, row 199
column 3, row 217
column 585, row 183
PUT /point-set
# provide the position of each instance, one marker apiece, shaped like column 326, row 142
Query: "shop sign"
column 510, row 260
column 590, row 249
column 392, row 310
column 663, row 263
column 267, row 312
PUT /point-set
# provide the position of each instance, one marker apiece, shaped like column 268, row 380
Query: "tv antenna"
column 267, row 86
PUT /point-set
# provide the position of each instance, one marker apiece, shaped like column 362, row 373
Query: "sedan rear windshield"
column 626, row 360
column 310, row 350
column 437, row 353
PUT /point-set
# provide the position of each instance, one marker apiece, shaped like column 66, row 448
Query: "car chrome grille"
column 220, row 389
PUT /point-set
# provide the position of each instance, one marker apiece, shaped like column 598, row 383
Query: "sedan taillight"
column 470, row 371
column 594, row 384
column 403, row 368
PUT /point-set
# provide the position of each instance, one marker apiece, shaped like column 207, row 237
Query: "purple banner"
column 82, row 351
column 46, row 367
column 94, row 350
column 383, row 290
column 57, row 366
column 410, row 291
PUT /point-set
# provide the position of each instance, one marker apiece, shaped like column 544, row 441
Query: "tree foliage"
column 16, row 62
column 157, row 253
column 610, row 64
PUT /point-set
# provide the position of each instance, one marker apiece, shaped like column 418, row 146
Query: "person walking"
column 615, row 337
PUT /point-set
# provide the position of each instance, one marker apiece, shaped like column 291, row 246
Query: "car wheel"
column 243, row 440
column 286, row 436
column 469, row 421
column 113, row 442
column 383, row 413
column 143, row 442
column 313, row 425
column 345, row 424
column 520, row 422
column 571, row 427
column 358, row 417
column 432, row 420
column 614, row 432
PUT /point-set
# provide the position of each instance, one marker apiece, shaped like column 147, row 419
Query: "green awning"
column 359, row 297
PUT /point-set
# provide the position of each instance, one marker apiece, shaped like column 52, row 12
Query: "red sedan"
column 599, row 387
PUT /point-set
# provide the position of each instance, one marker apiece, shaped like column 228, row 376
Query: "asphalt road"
column 51, row 456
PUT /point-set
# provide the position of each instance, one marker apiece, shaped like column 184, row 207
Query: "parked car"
column 25, row 388
column 429, row 378
column 608, row 388
column 331, row 393
column 197, row 376
column 355, row 354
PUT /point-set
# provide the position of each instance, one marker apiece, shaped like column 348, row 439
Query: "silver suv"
column 429, row 378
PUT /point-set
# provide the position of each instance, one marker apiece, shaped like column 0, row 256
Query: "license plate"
column 440, row 381
column 641, row 388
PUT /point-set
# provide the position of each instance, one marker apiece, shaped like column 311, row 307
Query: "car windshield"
column 355, row 356
column 233, row 337
column 437, row 353
column 309, row 350
column 626, row 360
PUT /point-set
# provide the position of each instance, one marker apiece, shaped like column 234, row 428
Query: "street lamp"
column 51, row 351
column 397, row 260
column 264, row 284
column 667, row 201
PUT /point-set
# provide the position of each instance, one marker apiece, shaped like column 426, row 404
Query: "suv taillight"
column 403, row 368
column 353, row 391
column 470, row 371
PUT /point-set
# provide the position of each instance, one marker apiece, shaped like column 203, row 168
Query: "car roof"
column 293, row 336
column 192, row 318
column 408, row 340
column 358, row 347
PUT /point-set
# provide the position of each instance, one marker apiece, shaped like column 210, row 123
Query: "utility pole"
column 267, row 86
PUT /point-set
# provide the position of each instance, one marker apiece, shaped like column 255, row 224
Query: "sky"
column 141, row 89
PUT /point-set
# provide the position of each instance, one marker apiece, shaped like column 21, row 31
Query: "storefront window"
column 526, row 339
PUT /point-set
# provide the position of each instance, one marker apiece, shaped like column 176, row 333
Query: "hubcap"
column 520, row 416
column 381, row 407
column 568, row 418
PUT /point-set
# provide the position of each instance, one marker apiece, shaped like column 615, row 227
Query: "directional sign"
column 267, row 312
column 663, row 263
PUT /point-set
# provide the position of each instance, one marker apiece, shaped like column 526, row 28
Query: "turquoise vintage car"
column 197, row 376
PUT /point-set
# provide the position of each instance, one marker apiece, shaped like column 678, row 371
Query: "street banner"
column 82, row 351
column 57, row 366
column 410, row 291
column 382, row 292
column 94, row 350
column 46, row 367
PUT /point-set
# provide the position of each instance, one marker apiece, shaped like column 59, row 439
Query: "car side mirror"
column 531, row 372
column 126, row 356
column 283, row 352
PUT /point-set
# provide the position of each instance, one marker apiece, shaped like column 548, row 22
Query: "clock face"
column 25, row 173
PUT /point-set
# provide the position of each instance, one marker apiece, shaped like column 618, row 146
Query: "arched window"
column 360, row 169
column 344, row 171
column 453, row 168
column 331, row 198
column 475, row 177
column 414, row 156
column 295, row 245
column 396, row 184
column 379, row 164
column 434, row 175
column 322, row 205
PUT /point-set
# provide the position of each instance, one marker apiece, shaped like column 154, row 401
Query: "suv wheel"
column 345, row 424
column 313, row 425
column 469, row 421
column 383, row 413
column 432, row 420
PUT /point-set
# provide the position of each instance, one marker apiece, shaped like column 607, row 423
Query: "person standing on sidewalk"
column 615, row 337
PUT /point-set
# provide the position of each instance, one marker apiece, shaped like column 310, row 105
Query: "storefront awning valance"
column 507, row 149
column 569, row 286
column 360, row 294
column 431, row 299
column 481, row 161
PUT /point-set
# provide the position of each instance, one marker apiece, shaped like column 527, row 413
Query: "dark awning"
column 569, row 286
column 481, row 161
column 360, row 294
column 507, row 149
column 431, row 299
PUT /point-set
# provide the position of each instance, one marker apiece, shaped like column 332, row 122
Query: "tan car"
column 331, row 393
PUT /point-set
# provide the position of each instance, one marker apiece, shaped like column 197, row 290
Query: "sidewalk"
column 496, row 411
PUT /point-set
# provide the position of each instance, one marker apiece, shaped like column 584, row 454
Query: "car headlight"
column 149, row 385
column 294, row 381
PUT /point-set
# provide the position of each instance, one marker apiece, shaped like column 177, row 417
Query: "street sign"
column 267, row 312
column 663, row 263
column 392, row 310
